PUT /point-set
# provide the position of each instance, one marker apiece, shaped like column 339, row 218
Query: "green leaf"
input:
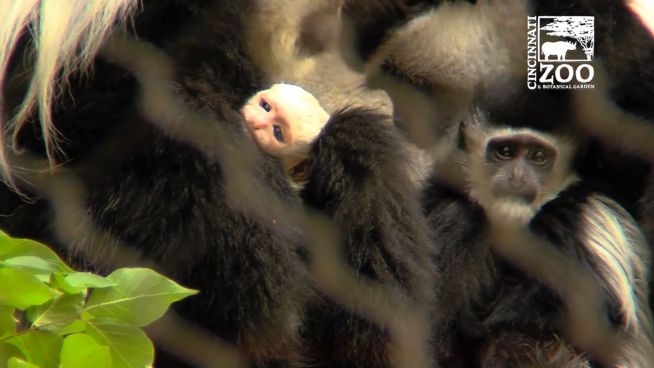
column 30, row 263
column 88, row 280
column 140, row 296
column 21, row 289
column 128, row 345
column 58, row 280
column 81, row 350
column 38, row 347
column 7, row 321
column 43, row 277
column 11, row 248
column 57, row 313
column 19, row 363
column 76, row 326
column 8, row 351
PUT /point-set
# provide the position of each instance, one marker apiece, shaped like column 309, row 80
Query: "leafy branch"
column 54, row 317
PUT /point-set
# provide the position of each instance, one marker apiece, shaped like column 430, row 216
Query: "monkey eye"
column 538, row 157
column 265, row 105
column 504, row 152
column 277, row 132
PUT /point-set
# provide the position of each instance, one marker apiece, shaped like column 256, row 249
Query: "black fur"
column 624, row 50
column 359, row 177
column 374, row 20
column 491, row 314
column 165, row 198
column 620, row 175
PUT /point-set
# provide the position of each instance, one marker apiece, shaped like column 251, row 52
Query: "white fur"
column 67, row 35
column 607, row 242
column 480, row 186
column 458, row 45
column 615, row 242
column 452, row 50
column 306, row 115
column 273, row 31
column 611, row 238
column 645, row 11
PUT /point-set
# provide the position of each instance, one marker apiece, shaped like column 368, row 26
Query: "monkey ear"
column 471, row 132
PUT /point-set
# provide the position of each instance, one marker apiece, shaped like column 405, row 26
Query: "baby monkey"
column 283, row 120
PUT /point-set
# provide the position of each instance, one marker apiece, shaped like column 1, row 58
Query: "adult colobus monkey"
column 434, row 59
column 154, row 136
column 498, row 314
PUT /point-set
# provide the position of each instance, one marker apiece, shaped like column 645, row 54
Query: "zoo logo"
column 560, row 52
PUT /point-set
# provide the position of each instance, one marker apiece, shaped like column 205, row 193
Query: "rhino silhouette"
column 559, row 48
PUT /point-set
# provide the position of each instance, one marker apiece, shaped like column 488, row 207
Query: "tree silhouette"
column 581, row 29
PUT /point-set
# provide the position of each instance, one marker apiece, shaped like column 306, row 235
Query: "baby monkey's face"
column 284, row 119
column 266, row 115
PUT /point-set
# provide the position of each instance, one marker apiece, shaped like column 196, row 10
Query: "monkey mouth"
column 528, row 197
column 524, row 196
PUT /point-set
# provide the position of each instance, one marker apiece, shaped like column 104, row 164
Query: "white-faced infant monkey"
column 283, row 120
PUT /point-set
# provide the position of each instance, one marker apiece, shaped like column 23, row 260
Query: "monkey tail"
column 620, row 250
column 66, row 35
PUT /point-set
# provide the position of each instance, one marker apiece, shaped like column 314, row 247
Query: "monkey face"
column 519, row 166
column 265, row 117
column 284, row 120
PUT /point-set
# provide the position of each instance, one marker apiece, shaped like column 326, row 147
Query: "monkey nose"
column 259, row 122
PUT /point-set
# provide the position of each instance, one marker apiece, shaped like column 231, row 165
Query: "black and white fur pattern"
column 215, row 72
column 166, row 198
column 476, row 137
column 184, row 222
column 444, row 73
column 446, row 54
column 583, row 225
